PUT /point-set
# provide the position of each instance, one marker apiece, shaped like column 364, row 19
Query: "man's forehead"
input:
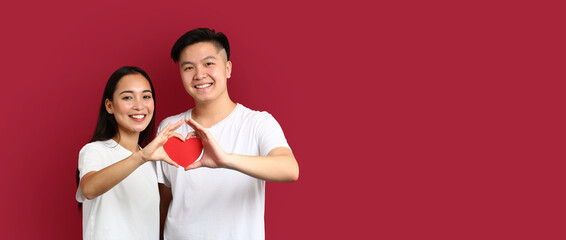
column 219, row 49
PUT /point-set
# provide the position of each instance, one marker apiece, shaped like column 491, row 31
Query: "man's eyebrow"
column 209, row 57
column 183, row 63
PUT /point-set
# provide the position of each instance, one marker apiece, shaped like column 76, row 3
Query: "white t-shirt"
column 130, row 210
column 221, row 203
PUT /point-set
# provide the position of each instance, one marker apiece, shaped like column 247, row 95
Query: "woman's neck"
column 128, row 141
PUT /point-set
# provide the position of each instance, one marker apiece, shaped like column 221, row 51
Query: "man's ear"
column 109, row 107
column 228, row 69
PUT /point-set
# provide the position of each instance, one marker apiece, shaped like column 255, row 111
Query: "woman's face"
column 132, row 104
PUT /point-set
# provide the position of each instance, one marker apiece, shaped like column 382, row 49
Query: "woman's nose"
column 138, row 104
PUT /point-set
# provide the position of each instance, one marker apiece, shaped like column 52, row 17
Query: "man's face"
column 205, row 70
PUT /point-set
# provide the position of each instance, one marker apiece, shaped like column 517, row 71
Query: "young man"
column 222, row 196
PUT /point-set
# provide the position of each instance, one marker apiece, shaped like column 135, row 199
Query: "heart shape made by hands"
column 184, row 153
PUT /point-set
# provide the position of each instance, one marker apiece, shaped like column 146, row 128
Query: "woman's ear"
column 109, row 107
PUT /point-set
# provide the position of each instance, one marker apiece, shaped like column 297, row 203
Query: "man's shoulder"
column 255, row 116
column 247, row 112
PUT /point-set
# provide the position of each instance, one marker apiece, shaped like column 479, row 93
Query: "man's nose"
column 200, row 73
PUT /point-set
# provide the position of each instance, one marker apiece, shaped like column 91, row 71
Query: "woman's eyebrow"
column 130, row 91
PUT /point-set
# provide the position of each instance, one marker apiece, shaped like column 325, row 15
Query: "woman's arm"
column 96, row 183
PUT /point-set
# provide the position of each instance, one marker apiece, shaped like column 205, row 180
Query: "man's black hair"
column 200, row 35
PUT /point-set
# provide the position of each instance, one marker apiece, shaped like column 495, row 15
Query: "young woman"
column 118, row 183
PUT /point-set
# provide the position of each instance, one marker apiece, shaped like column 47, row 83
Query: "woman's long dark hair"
column 106, row 126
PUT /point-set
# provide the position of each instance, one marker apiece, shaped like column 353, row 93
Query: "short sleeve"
column 90, row 159
column 270, row 134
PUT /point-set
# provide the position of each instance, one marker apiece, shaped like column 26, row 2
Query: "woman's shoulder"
column 99, row 145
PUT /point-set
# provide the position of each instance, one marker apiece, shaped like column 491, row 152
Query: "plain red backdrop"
column 410, row 119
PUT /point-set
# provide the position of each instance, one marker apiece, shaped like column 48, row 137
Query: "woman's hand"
column 213, row 156
column 96, row 183
column 154, row 150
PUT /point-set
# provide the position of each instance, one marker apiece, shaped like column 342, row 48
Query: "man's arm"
column 279, row 165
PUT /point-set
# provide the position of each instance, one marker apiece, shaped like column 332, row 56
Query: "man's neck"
column 209, row 114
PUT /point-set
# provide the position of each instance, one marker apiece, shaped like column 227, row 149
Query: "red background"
column 410, row 119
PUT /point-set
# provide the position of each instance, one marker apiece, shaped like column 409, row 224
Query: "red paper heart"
column 184, row 153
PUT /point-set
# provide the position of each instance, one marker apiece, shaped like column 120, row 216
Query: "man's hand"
column 213, row 156
column 279, row 165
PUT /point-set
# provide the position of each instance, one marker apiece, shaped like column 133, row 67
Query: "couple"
column 222, row 196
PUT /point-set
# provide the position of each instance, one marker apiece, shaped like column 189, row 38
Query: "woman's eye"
column 127, row 98
column 147, row 96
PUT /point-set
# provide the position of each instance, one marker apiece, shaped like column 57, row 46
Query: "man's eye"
column 188, row 68
column 209, row 64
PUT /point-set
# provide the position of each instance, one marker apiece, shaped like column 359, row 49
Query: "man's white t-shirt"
column 221, row 203
column 129, row 210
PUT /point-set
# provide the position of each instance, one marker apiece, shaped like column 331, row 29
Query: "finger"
column 201, row 131
column 164, row 130
column 167, row 127
column 194, row 165
column 177, row 125
column 178, row 135
column 170, row 161
column 191, row 134
column 194, row 124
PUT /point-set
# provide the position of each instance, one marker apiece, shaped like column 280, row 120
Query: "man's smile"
column 203, row 85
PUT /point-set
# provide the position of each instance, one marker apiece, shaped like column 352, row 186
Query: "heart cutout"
column 184, row 153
